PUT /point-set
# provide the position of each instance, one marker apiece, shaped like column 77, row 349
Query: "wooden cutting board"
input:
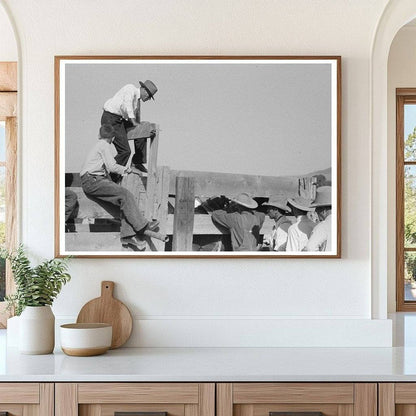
column 107, row 309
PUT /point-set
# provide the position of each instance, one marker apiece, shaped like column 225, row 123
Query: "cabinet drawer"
column 296, row 399
column 107, row 399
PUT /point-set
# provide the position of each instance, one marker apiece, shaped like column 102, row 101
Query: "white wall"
column 8, row 47
column 401, row 74
column 215, row 301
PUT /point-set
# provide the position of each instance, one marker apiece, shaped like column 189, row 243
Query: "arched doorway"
column 396, row 14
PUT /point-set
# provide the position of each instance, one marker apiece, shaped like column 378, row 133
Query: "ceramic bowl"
column 83, row 340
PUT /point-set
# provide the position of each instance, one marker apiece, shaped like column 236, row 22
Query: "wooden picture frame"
column 220, row 127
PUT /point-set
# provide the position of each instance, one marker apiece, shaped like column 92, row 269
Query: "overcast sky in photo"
column 265, row 119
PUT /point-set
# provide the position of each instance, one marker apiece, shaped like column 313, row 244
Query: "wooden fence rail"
column 169, row 196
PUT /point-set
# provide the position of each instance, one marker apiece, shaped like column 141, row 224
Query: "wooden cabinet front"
column 397, row 399
column 297, row 399
column 26, row 399
column 145, row 399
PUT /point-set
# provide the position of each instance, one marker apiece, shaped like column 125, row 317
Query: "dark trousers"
column 71, row 203
column 132, row 220
column 121, row 143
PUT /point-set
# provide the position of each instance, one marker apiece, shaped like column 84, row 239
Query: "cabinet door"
column 397, row 399
column 296, row 399
column 145, row 399
column 26, row 399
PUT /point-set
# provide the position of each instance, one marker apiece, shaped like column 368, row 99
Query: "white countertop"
column 213, row 364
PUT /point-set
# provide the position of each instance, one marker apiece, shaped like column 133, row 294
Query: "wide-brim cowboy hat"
column 277, row 202
column 323, row 197
column 150, row 87
column 301, row 203
column 245, row 200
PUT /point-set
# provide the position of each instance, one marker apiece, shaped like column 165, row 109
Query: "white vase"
column 13, row 331
column 37, row 330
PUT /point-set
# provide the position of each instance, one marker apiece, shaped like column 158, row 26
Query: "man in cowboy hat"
column 96, row 184
column 298, row 233
column 277, row 210
column 242, row 221
column 320, row 239
column 122, row 111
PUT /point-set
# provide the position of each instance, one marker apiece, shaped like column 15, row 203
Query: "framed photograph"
column 196, row 156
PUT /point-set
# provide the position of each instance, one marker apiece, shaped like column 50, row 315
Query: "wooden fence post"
column 152, row 175
column 183, row 222
column 161, row 203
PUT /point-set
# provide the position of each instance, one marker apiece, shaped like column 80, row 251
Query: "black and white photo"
column 198, row 156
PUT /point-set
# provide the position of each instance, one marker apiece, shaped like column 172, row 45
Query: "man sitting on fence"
column 97, row 185
column 242, row 221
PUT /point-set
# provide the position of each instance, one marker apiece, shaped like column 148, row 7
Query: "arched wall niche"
column 396, row 14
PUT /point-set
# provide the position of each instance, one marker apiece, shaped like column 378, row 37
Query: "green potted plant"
column 36, row 289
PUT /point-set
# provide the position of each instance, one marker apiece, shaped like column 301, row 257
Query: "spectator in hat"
column 277, row 209
column 242, row 221
column 122, row 111
column 298, row 233
column 320, row 239
column 96, row 184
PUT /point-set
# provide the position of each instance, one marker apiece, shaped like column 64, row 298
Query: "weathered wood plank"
column 88, row 208
column 8, row 105
column 8, row 76
column 142, row 131
column 152, row 175
column 203, row 225
column 134, row 184
column 161, row 203
column 93, row 241
column 208, row 184
column 92, row 208
column 183, row 223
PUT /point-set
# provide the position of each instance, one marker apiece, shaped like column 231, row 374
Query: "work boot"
column 134, row 241
column 158, row 236
column 152, row 225
column 139, row 166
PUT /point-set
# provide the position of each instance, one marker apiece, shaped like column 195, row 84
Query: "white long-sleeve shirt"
column 100, row 160
column 125, row 102
column 299, row 233
column 320, row 239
